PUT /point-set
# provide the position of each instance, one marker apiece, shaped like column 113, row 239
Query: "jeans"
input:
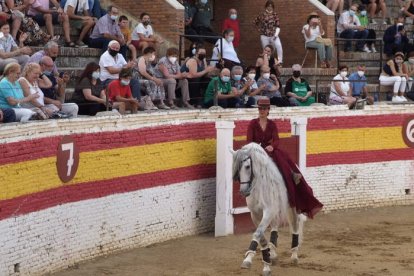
column 324, row 52
column 354, row 34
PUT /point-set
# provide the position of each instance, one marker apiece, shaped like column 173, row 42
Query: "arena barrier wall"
column 147, row 178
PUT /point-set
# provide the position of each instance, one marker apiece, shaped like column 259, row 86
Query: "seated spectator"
column 51, row 50
column 335, row 5
column 56, row 93
column 77, row 11
column 197, row 76
column 168, row 69
column 95, row 9
column 271, row 87
column 298, row 89
column 11, row 94
column 232, row 23
column 7, row 115
column 224, row 53
column 202, row 20
column 395, row 38
column 374, row 7
column 35, row 35
column 359, row 87
column 13, row 19
column 143, row 35
column 10, row 51
column 409, row 66
column 89, row 92
column 126, row 32
column 154, row 86
column 370, row 42
column 106, row 30
column 227, row 96
column 191, row 51
column 267, row 58
column 268, row 25
column 408, row 9
column 393, row 74
column 242, row 86
column 40, row 11
column 255, row 90
column 349, row 27
column 313, row 32
column 120, row 95
column 341, row 90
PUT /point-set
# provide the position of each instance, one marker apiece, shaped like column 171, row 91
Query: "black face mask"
column 53, row 58
column 113, row 52
column 296, row 74
column 201, row 56
column 146, row 23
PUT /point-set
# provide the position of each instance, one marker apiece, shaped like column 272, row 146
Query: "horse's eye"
column 247, row 167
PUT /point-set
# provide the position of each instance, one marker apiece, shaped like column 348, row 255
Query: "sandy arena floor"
column 364, row 242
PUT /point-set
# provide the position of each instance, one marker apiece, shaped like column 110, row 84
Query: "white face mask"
column 343, row 73
column 230, row 38
column 114, row 17
column 411, row 60
column 203, row 1
column 125, row 82
column 173, row 60
column 400, row 24
column 252, row 76
column 96, row 75
column 193, row 51
column 266, row 76
column 361, row 73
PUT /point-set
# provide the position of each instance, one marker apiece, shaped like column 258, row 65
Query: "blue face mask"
column 48, row 73
column 225, row 79
column 351, row 12
column 237, row 77
column 363, row 13
column 203, row 1
column 233, row 16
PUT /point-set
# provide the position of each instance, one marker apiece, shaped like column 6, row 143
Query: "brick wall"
column 293, row 15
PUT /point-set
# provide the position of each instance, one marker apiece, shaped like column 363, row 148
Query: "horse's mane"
column 268, row 184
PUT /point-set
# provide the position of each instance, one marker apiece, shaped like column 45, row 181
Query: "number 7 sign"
column 67, row 159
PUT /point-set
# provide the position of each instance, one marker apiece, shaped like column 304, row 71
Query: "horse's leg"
column 273, row 241
column 265, row 256
column 251, row 252
column 296, row 224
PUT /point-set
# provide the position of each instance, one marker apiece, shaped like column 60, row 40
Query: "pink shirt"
column 36, row 4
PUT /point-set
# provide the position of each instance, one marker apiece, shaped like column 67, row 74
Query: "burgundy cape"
column 301, row 195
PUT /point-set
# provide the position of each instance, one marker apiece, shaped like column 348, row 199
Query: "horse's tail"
column 302, row 218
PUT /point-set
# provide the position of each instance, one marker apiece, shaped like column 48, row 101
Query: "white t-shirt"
column 107, row 60
column 345, row 86
column 228, row 51
column 314, row 33
column 141, row 29
column 35, row 89
column 82, row 6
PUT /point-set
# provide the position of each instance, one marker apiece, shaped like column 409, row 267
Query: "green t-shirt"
column 223, row 88
column 363, row 20
column 301, row 89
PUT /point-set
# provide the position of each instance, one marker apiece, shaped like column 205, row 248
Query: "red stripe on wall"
column 83, row 191
column 349, row 122
column 359, row 157
column 47, row 147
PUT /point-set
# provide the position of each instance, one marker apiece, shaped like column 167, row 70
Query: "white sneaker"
column 373, row 49
column 366, row 49
column 396, row 99
column 403, row 99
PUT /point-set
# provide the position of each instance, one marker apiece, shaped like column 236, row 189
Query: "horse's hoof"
column 246, row 265
column 295, row 261
column 267, row 273
column 274, row 262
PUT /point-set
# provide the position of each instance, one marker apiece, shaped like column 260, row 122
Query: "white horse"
column 266, row 195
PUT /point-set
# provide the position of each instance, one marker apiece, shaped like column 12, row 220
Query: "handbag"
column 325, row 41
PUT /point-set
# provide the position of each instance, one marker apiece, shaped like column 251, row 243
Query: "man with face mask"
column 143, row 35
column 120, row 94
column 189, row 12
column 297, row 89
column 359, row 84
column 202, row 20
column 107, row 29
column 227, row 96
column 349, row 27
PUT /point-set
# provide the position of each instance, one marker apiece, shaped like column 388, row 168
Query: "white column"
column 298, row 127
column 224, row 183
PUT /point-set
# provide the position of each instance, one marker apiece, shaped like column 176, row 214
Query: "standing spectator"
column 124, row 26
column 106, row 30
column 224, row 52
column 298, row 89
column 120, row 93
column 359, row 86
column 189, row 12
column 197, row 70
column 9, row 51
column 7, row 115
column 393, row 74
column 202, row 20
column 40, row 11
column 169, row 72
column 271, row 88
column 56, row 93
column 77, row 11
column 143, row 35
column 341, row 90
column 395, row 38
column 11, row 94
column 374, row 7
column 335, row 5
column 227, row 96
column 313, row 32
column 363, row 19
column 111, row 63
column 268, row 25
column 89, row 92
column 349, row 27
column 232, row 23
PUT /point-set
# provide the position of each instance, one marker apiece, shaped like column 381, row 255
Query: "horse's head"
column 243, row 171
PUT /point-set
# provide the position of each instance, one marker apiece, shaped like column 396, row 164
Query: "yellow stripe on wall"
column 28, row 177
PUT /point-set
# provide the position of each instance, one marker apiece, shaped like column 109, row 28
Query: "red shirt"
column 269, row 136
column 235, row 26
column 116, row 89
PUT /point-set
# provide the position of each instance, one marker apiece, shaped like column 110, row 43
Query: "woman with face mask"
column 394, row 74
column 224, row 54
column 232, row 22
column 341, row 90
column 89, row 92
column 268, row 58
column 271, row 88
column 168, row 70
column 298, row 89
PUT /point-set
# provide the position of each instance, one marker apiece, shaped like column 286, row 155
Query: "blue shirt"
column 357, row 86
column 8, row 89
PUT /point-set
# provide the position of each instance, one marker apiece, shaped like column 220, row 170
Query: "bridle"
column 250, row 181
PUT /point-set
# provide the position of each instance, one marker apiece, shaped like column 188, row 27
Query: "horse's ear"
column 232, row 151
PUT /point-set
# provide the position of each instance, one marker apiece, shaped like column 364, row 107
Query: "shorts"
column 39, row 18
column 135, row 43
column 335, row 99
column 76, row 24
